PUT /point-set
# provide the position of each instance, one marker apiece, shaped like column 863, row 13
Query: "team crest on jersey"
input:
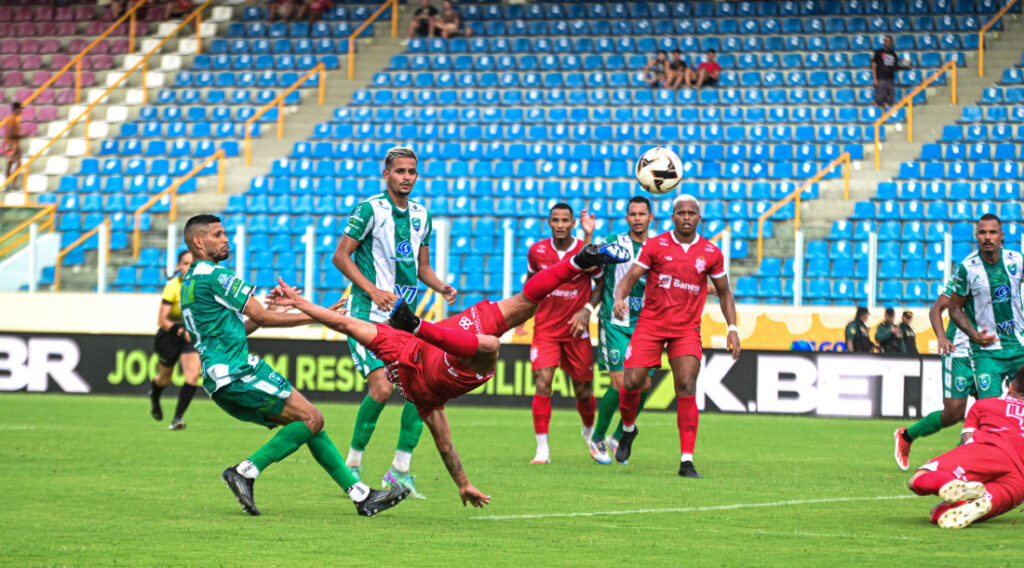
column 961, row 383
column 404, row 249
column 983, row 382
column 416, row 223
column 1013, row 269
column 613, row 355
column 700, row 265
column 664, row 281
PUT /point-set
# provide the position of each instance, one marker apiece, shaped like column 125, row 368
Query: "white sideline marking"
column 764, row 532
column 691, row 509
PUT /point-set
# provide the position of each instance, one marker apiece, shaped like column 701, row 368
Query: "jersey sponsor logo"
column 1001, row 293
column 226, row 281
column 404, row 250
column 636, row 304
column 408, row 293
column 700, row 265
column 668, row 258
column 664, row 281
column 567, row 294
column 1005, row 328
column 465, row 323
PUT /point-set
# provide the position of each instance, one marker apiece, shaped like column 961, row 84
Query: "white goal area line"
column 691, row 509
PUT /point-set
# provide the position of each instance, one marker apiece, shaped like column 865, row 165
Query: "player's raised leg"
column 479, row 352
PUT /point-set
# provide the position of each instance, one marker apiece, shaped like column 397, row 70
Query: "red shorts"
column 575, row 356
column 978, row 462
column 645, row 348
column 482, row 318
column 423, row 374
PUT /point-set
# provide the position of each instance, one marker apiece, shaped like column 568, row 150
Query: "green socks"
column 412, row 428
column 283, row 444
column 926, row 426
column 366, row 422
column 326, row 454
column 607, row 408
column 643, row 399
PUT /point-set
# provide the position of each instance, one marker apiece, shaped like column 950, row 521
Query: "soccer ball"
column 659, row 170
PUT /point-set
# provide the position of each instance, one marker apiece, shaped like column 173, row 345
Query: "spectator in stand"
column 449, row 23
column 656, row 70
column 12, row 140
column 858, row 339
column 422, row 23
column 317, row 9
column 116, row 9
column 884, row 65
column 286, row 10
column 709, row 70
column 177, row 8
column 908, row 335
column 679, row 73
column 887, row 334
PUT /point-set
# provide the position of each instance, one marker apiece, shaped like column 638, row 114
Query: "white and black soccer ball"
column 659, row 170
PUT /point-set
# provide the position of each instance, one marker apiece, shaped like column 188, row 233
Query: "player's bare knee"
column 488, row 345
column 379, row 389
column 315, row 421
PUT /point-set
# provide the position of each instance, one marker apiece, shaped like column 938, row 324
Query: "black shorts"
column 170, row 347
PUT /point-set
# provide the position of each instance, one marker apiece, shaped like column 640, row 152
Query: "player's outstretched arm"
column 285, row 295
column 957, row 315
column 426, row 275
column 935, row 317
column 262, row 317
column 442, row 433
column 728, row 305
column 624, row 286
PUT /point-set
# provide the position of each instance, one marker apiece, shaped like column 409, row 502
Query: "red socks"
column 687, row 418
column 586, row 410
column 461, row 344
column 629, row 406
column 548, row 280
column 542, row 414
column 930, row 483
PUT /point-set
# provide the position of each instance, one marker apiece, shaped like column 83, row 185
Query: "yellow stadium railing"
column 78, row 242
column 76, row 61
column 355, row 34
column 843, row 160
column 908, row 101
column 11, row 240
column 172, row 190
column 278, row 102
column 24, row 167
column 981, row 36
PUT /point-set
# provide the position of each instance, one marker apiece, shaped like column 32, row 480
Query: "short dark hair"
column 660, row 51
column 861, row 311
column 1018, row 380
column 561, row 205
column 990, row 217
column 641, row 199
column 890, row 312
column 712, row 52
column 182, row 254
column 16, row 106
column 908, row 314
column 677, row 50
column 200, row 220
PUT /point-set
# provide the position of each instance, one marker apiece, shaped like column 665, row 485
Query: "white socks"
column 588, row 432
column 358, row 492
column 686, row 458
column 542, row 443
column 355, row 458
column 401, row 461
column 247, row 470
column 629, row 428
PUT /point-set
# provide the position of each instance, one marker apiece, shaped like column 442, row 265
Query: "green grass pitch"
column 94, row 481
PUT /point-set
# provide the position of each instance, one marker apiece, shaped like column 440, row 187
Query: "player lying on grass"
column 431, row 364
column 213, row 303
column 983, row 477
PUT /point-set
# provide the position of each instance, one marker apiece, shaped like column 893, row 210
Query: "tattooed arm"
column 438, row 424
column 956, row 314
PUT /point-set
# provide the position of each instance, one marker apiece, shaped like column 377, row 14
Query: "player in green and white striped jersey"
column 958, row 381
column 988, row 283
column 614, row 331
column 385, row 253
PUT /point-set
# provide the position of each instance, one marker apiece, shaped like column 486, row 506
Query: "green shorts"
column 365, row 361
column 255, row 397
column 991, row 368
column 958, row 377
column 612, row 343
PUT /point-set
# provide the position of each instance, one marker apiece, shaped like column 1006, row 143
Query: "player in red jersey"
column 983, row 477
column 678, row 264
column 561, row 329
column 431, row 364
